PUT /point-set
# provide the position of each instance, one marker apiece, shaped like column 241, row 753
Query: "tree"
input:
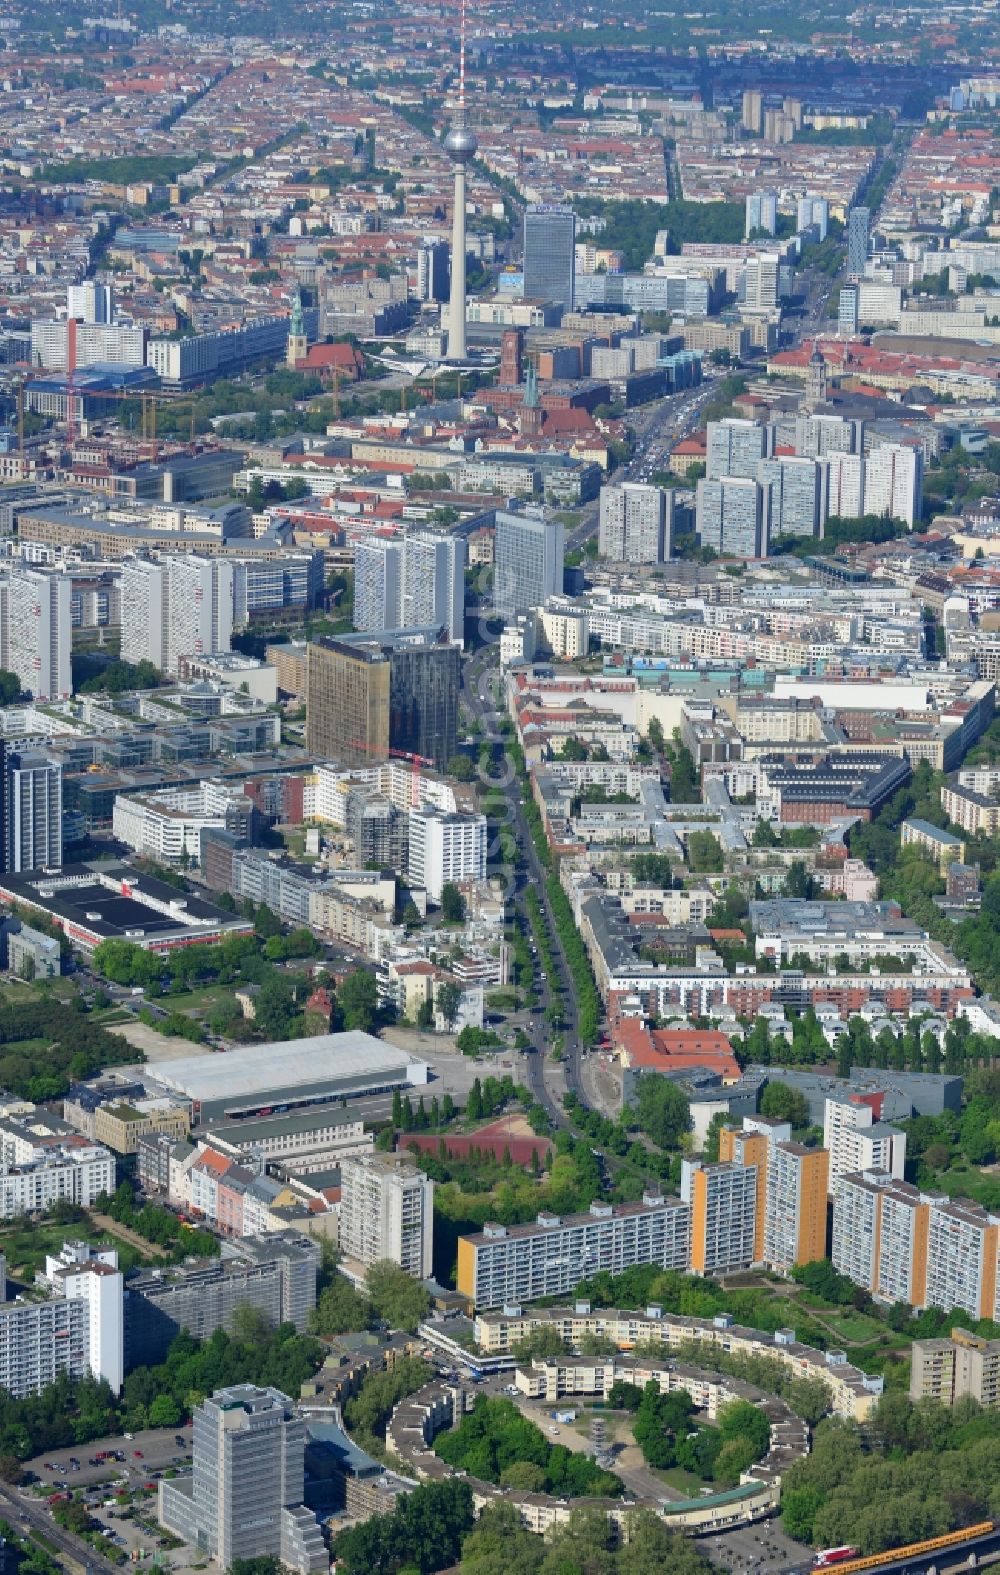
column 741, row 1420
column 264, row 1565
column 165, row 1412
column 663, row 1112
column 425, row 1532
column 474, row 1104
column 523, row 1476
column 396, row 1296
column 340, row 1309
column 461, row 768
column 541, row 1344
column 784, row 1103
column 11, row 1470
column 712, row 1137
column 358, row 997
column 500, row 1544
column 452, row 903
column 705, row 852
column 448, row 999
column 10, row 687
column 809, row 1398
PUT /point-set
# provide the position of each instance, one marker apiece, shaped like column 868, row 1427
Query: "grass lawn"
column 684, row 1481
column 853, row 1326
column 26, row 1243
column 197, row 1000
column 961, row 1180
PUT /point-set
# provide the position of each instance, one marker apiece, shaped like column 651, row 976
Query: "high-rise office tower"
column 813, row 211
column 387, row 1212
column 90, row 302
column 819, row 436
column 760, row 283
column 182, row 606
column 857, row 1140
column 432, row 271
column 751, row 1148
column 894, row 476
column 795, row 499
column 378, row 583
column 846, row 486
column 790, row 1225
column 792, row 107
column 39, row 632
column 460, row 146
column 367, row 694
column 879, row 1240
column 145, row 611
column 858, row 232
column 527, row 562
column 753, row 111
column 410, row 582
column 33, row 810
column 729, row 517
column 795, row 1225
column 445, row 848
column 761, row 212
column 434, row 582
column 848, row 310
column 243, row 1498
column 201, row 608
column 735, row 448
column 636, row 523
column 550, row 254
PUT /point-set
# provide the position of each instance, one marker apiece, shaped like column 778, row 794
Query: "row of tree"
column 156, row 1224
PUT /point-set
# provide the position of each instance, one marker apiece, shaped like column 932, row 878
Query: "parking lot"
column 119, row 1493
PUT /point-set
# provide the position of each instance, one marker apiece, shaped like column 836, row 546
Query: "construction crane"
column 415, row 760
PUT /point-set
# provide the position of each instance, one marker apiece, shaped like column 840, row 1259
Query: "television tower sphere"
column 460, row 144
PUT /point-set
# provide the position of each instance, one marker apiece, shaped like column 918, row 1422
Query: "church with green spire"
column 298, row 344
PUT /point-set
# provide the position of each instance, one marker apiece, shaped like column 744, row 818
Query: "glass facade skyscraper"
column 549, row 254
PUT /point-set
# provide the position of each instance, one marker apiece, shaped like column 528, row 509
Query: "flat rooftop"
column 116, row 902
column 289, row 1064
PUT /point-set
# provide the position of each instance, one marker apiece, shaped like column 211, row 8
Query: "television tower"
column 460, row 145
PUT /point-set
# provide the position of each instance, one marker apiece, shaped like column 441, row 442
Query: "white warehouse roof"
column 288, row 1064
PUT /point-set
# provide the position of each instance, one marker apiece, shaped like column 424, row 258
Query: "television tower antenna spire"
column 460, row 146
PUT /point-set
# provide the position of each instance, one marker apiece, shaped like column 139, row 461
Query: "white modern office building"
column 243, row 1497
column 445, row 849
column 735, row 448
column 527, row 561
column 33, row 811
